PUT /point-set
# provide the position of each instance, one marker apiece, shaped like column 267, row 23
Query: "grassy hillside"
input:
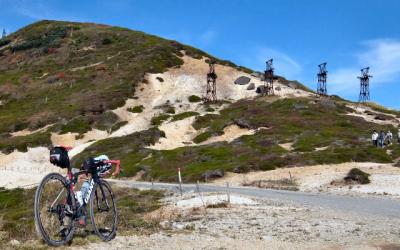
column 52, row 71
column 309, row 124
column 69, row 74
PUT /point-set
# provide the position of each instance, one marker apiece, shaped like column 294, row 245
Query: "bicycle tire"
column 38, row 217
column 93, row 198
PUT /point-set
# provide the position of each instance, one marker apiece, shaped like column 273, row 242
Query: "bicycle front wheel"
column 54, row 205
column 103, row 211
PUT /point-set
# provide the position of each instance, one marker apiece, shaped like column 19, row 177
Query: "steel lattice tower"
column 211, row 92
column 269, row 78
column 4, row 33
column 322, row 76
column 364, row 85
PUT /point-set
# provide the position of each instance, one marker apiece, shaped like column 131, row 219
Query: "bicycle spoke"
column 104, row 212
column 54, row 222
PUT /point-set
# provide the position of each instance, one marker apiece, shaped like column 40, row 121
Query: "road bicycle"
column 58, row 208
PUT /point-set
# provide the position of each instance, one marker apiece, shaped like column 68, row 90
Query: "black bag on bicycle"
column 90, row 165
column 59, row 157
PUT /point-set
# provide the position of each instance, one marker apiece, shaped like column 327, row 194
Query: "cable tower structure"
column 269, row 78
column 364, row 85
column 322, row 77
column 211, row 92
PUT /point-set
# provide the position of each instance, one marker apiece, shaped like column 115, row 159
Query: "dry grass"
column 218, row 205
column 17, row 220
column 282, row 184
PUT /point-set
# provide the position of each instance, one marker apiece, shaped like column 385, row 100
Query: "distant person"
column 381, row 139
column 389, row 138
column 375, row 138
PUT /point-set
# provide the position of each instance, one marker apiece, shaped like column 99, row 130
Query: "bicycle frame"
column 72, row 179
column 62, row 201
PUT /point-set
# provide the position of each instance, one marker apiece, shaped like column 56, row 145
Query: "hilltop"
column 137, row 97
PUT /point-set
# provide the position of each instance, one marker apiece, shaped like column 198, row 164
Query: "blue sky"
column 348, row 34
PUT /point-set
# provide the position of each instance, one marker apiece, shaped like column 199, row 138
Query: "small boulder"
column 251, row 86
column 178, row 226
column 260, row 89
column 380, row 118
column 242, row 123
column 213, row 174
column 241, row 169
column 243, row 80
column 14, row 243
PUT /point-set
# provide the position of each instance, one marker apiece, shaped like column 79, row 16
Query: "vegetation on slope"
column 52, row 72
column 319, row 129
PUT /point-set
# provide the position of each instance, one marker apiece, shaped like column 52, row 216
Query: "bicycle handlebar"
column 118, row 166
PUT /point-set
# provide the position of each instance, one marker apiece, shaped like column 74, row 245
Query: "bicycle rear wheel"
column 103, row 211
column 54, row 217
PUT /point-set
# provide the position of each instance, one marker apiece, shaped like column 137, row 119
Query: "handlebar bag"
column 59, row 157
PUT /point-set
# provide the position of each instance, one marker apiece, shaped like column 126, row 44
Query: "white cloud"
column 383, row 58
column 284, row 64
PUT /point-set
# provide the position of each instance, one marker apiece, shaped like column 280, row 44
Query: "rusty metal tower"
column 364, row 85
column 269, row 78
column 322, row 76
column 211, row 94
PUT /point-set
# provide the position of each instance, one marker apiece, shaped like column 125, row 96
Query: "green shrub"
column 106, row 41
column 184, row 115
column 105, row 121
column 78, row 125
column 209, row 109
column 158, row 120
column 21, row 143
column 202, row 137
column 136, row 109
column 358, row 176
column 118, row 125
column 51, row 39
column 170, row 110
column 4, row 42
column 194, row 98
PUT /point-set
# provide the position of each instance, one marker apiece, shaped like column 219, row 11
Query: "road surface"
column 359, row 205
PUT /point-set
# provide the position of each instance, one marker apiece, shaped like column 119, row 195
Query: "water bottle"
column 79, row 197
column 84, row 189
